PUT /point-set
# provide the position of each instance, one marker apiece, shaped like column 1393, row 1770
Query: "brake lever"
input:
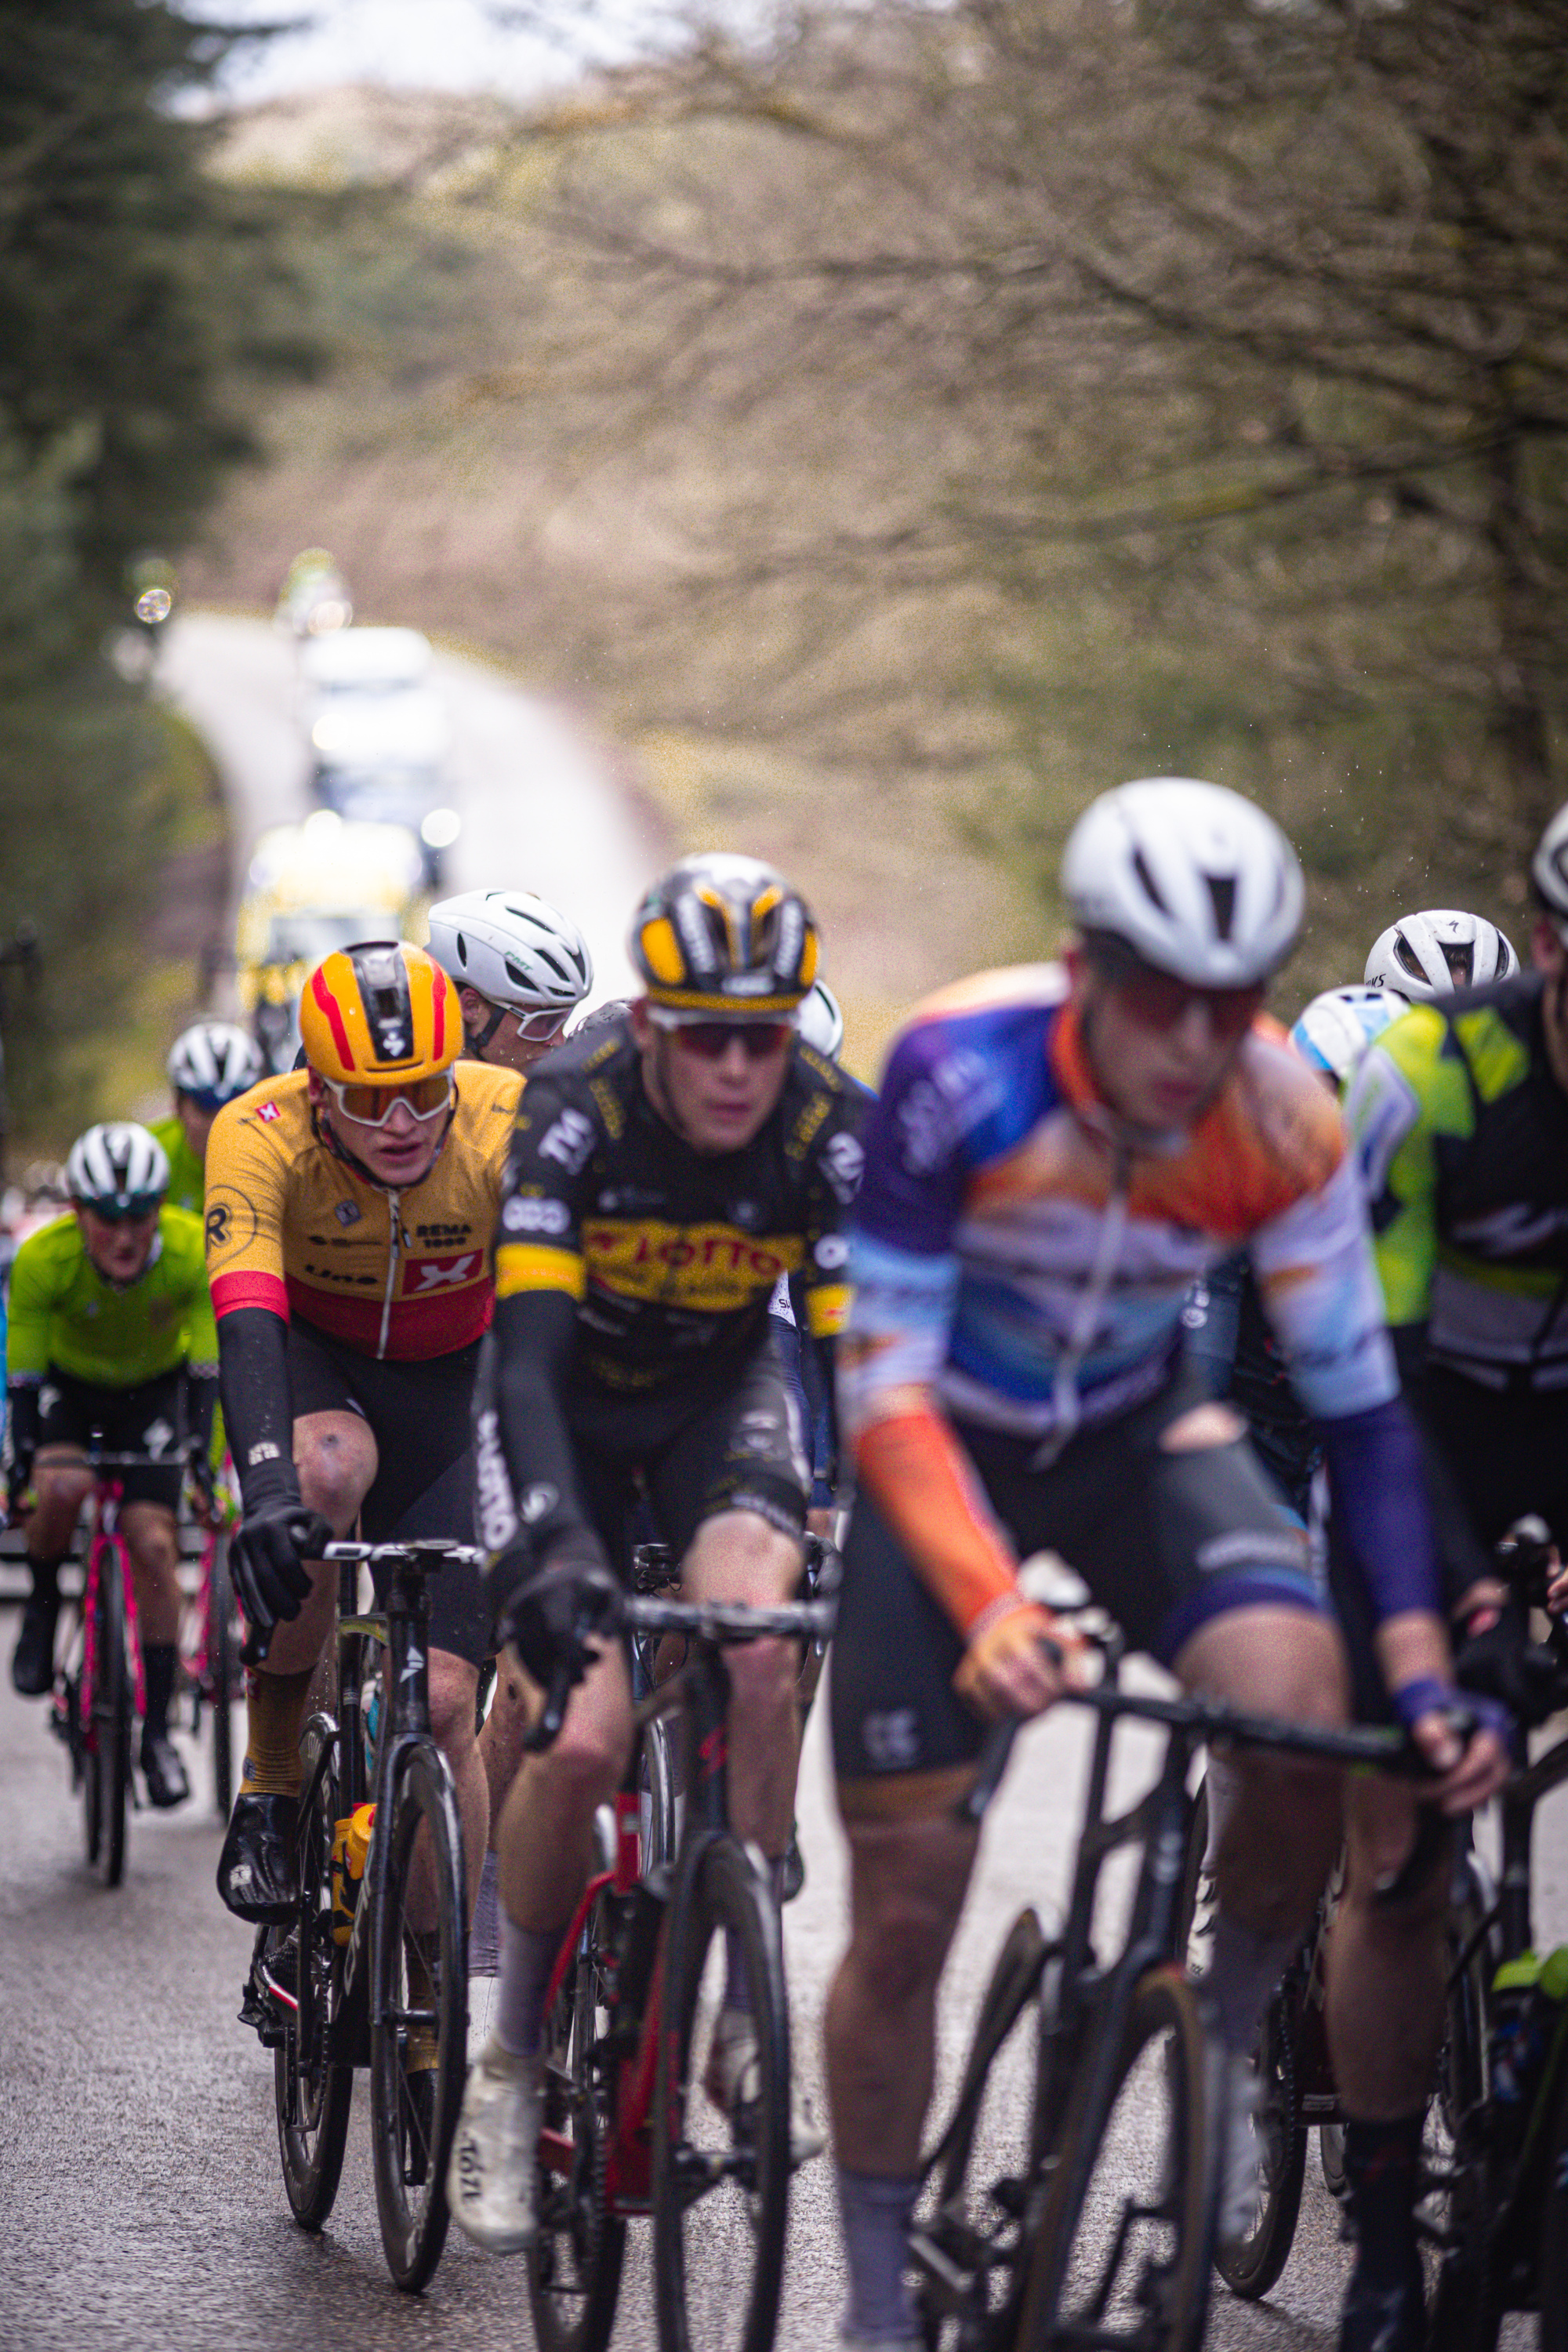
column 547, row 1730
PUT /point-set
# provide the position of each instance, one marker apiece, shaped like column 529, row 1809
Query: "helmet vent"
column 1222, row 890
column 383, row 979
column 1140, row 867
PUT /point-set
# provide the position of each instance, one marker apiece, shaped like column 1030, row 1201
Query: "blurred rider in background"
column 520, row 969
column 209, row 1064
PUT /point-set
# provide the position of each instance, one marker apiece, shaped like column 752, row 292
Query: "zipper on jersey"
column 1066, row 1399
column 393, row 1247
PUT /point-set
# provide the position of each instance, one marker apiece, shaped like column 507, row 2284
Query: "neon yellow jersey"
column 63, row 1312
column 187, row 1178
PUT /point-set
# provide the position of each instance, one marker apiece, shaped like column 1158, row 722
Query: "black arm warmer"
column 201, row 1403
column 22, row 1419
column 534, row 1335
column 253, row 1374
column 1376, row 1474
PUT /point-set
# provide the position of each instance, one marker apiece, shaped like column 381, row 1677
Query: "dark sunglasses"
column 712, row 1039
column 1159, row 1000
column 134, row 1211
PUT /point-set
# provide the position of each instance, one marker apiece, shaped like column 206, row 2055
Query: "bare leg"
column 1386, row 1972
column 737, row 1556
column 546, row 1825
column 501, row 1736
column 152, row 1537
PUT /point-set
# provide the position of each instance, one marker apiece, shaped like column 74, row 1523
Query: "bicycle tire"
column 1160, row 2305
column 223, row 1680
column 721, row 2200
column 975, row 2225
column 574, row 2263
column 1252, row 2264
column 107, row 1729
column 1551, row 2271
column 1468, row 2307
column 312, row 2094
column 419, row 2015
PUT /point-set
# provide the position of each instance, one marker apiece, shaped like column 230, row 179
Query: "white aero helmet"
column 517, row 951
column 213, row 1061
column 122, row 1171
column 1195, row 880
column 821, row 1021
column 1337, row 1028
column 1434, row 952
column 1549, row 867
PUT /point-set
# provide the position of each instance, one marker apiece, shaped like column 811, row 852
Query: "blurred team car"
column 313, row 887
column 378, row 733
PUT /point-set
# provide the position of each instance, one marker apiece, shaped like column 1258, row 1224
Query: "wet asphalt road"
column 138, row 2159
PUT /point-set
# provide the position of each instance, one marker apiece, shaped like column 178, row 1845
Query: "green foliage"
column 139, row 302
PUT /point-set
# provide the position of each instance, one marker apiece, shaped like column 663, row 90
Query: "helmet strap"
column 477, row 1044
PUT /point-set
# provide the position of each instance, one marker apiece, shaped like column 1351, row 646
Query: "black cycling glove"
column 1500, row 1661
column 549, row 1614
column 267, row 1557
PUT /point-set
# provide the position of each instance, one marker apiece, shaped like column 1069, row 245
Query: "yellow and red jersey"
column 292, row 1227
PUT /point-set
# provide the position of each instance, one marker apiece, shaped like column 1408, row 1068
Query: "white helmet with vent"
column 1432, row 953
column 213, row 1061
column 516, row 950
column 1195, row 880
column 1337, row 1028
column 821, row 1021
column 122, row 1170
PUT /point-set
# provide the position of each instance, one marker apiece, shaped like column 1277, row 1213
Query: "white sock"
column 527, row 1962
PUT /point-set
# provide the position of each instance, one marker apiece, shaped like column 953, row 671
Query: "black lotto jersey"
column 673, row 1255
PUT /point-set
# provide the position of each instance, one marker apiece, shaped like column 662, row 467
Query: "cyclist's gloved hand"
column 550, row 1614
column 1496, row 1659
column 1466, row 1739
column 18, row 1481
column 266, row 1560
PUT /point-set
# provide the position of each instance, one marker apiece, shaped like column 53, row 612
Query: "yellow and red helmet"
column 380, row 1011
column 727, row 935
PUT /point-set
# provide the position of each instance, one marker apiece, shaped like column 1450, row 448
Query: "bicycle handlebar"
column 429, row 1552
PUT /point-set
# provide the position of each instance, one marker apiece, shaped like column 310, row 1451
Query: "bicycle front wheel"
column 1126, row 2238
column 1250, row 2266
column 107, row 1708
column 574, row 2264
column 313, row 2095
column 722, row 2135
column 419, row 2013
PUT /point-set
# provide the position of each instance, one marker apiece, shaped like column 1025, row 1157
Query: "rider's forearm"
column 253, row 1374
column 912, row 1465
column 534, row 1337
column 22, row 1418
column 1376, row 1473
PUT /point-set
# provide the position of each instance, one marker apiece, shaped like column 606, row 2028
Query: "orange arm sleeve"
column 920, row 1479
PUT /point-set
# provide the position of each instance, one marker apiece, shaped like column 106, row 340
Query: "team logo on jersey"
column 526, row 1215
column 348, row 1213
column 269, row 1112
column 569, row 1141
column 711, row 1269
column 424, row 1275
column 230, row 1225
column 843, row 1162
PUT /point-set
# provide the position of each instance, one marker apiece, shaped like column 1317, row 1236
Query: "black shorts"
column 1164, row 1542
column 740, row 1449
column 147, row 1419
column 419, row 1413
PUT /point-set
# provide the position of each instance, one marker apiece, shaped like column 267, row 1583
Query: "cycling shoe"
column 163, row 1768
column 256, row 1869
column 32, row 1659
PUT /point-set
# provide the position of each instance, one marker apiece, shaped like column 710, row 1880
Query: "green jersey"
column 64, row 1313
column 187, row 1178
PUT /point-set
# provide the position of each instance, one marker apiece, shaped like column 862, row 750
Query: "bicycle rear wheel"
column 313, row 2096
column 972, row 2233
column 107, row 1710
column 419, row 2012
column 1552, row 2259
column 1462, row 2198
column 721, row 2181
column 1126, row 2238
column 1250, row 2266
column 574, row 2264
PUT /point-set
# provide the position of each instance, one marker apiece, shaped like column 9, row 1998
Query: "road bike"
column 373, row 1969
column 1101, row 2231
column 212, row 1631
column 630, row 2128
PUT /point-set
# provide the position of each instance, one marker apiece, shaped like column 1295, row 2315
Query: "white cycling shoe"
column 493, row 2178
column 731, row 2081
column 1238, row 2096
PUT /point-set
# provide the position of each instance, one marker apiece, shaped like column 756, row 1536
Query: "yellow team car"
column 313, row 887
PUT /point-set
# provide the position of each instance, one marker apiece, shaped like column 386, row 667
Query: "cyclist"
column 209, row 1064
column 1459, row 1114
column 666, row 1168
column 1441, row 949
column 111, row 1330
column 520, row 969
column 349, row 1208
column 1055, row 1153
column 1228, row 1334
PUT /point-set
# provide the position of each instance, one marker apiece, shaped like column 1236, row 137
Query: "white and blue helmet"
column 1337, row 1028
column 1439, row 950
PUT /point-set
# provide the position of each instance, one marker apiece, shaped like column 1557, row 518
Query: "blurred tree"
column 136, row 295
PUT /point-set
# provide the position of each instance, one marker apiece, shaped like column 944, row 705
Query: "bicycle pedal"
column 257, row 2012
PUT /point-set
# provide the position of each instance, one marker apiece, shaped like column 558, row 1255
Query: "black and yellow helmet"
column 722, row 934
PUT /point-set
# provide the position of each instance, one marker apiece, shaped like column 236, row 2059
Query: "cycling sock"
column 45, row 1574
column 877, row 2212
column 527, row 1959
column 274, row 1712
column 1246, row 1967
column 158, row 1673
column 1383, row 2164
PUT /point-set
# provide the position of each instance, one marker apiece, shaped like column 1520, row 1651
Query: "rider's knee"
column 61, row 1483
column 763, row 1679
column 453, row 1683
column 587, row 1758
column 336, row 1467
